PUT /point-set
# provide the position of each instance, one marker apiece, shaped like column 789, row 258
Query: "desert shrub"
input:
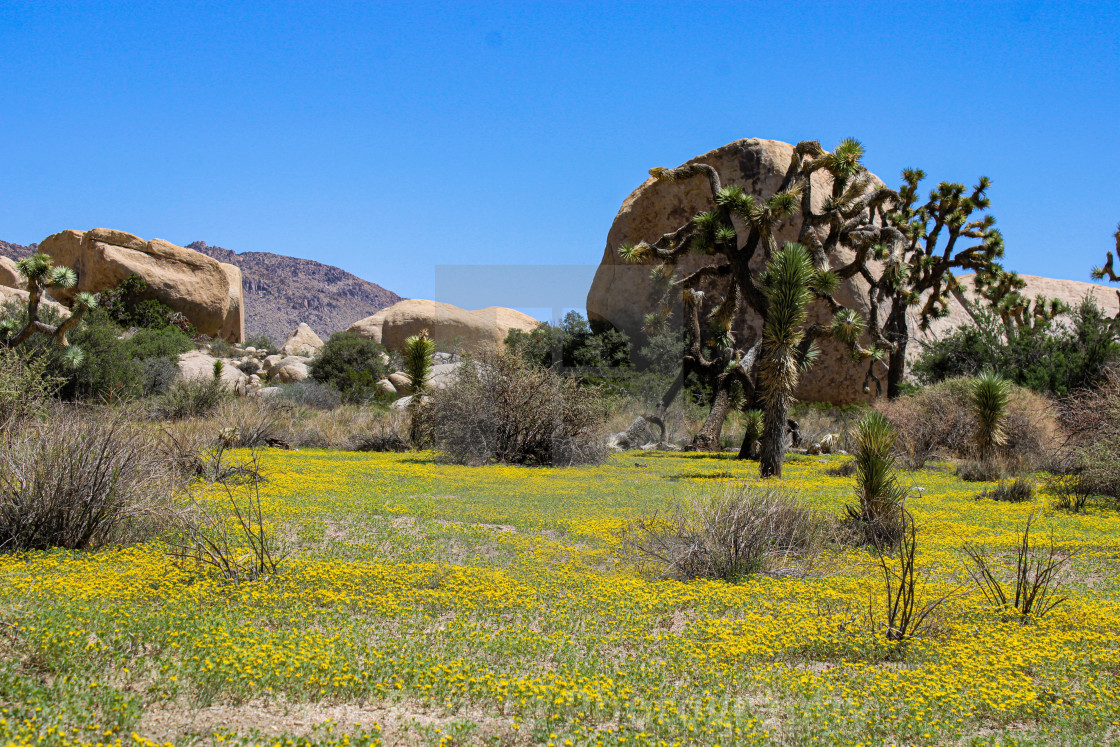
column 571, row 344
column 81, row 481
column 1092, row 418
column 219, row 348
column 351, row 364
column 191, row 398
column 262, row 342
column 1018, row 490
column 845, row 469
column 744, row 531
column 1038, row 575
column 157, row 375
column 389, row 433
column 938, row 422
column 130, row 304
column 311, row 394
column 167, row 342
column 25, row 389
column 1058, row 357
column 980, row 470
column 502, row 409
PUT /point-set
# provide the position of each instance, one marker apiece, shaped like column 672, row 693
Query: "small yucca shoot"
column 990, row 395
column 752, row 431
column 418, row 352
column 880, row 495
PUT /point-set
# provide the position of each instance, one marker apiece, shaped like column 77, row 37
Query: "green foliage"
column 130, row 304
column 572, row 344
column 25, row 388
column 351, row 364
column 881, row 497
column 418, row 352
column 989, row 397
column 262, row 342
column 191, row 398
column 165, row 342
column 1058, row 356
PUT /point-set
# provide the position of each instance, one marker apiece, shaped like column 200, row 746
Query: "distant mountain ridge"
column 280, row 292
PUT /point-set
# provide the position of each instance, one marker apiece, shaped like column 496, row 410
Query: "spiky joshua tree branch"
column 41, row 275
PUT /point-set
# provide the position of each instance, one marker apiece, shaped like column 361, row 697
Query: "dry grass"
column 744, row 531
column 82, row 480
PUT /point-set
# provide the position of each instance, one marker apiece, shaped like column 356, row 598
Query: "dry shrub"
column 1015, row 491
column 82, row 480
column 938, row 423
column 501, row 409
column 744, row 531
column 1092, row 452
column 25, row 388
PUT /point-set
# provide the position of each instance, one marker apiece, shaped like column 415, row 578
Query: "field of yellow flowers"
column 424, row 603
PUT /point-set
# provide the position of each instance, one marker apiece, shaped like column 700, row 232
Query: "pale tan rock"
column 303, row 341
column 401, row 382
column 187, row 281
column 450, row 326
column 290, row 369
column 16, row 295
column 386, row 387
column 194, row 365
column 621, row 294
column 233, row 326
column 9, row 274
column 271, row 362
column 1071, row 292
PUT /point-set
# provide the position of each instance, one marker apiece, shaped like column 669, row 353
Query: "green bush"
column 167, row 342
column 191, row 398
column 1058, row 357
column 572, row 344
column 351, row 364
column 130, row 304
column 25, row 389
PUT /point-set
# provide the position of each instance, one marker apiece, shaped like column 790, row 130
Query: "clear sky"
column 392, row 138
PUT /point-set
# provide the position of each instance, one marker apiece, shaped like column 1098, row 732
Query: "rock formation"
column 451, row 327
column 622, row 294
column 303, row 341
column 206, row 292
column 195, row 365
column 9, row 274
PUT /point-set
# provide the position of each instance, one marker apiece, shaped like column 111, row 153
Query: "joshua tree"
column 735, row 284
column 42, row 275
column 418, row 352
column 786, row 285
column 1100, row 273
column 990, row 395
column 946, row 233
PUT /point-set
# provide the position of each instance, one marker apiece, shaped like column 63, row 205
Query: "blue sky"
column 390, row 139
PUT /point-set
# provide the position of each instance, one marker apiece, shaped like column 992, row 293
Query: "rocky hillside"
column 280, row 292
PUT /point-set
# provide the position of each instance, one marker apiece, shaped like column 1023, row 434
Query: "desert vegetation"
column 575, row 538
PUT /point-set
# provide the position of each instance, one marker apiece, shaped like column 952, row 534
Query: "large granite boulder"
column 621, row 294
column 450, row 326
column 290, row 370
column 9, row 274
column 303, row 341
column 194, row 365
column 207, row 292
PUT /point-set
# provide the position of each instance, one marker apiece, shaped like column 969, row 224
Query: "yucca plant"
column 990, row 396
column 418, row 355
column 41, row 275
column 881, row 497
column 752, row 432
column 786, row 285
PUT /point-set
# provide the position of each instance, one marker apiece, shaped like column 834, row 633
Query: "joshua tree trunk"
column 773, row 439
column 896, row 370
column 707, row 439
